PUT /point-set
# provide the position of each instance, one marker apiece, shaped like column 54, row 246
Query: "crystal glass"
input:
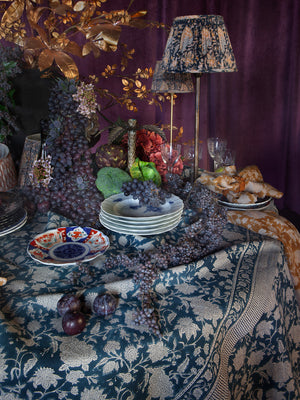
column 216, row 148
column 170, row 154
column 228, row 158
column 189, row 159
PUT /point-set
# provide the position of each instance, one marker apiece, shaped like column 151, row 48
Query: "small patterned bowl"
column 67, row 245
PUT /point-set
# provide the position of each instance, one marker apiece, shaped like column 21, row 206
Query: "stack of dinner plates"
column 123, row 214
column 12, row 214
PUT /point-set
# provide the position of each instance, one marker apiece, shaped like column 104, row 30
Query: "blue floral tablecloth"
column 230, row 326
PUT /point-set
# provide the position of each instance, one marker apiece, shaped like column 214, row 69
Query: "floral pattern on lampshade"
column 199, row 43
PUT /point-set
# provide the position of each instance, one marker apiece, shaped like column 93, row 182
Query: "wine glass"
column 216, row 149
column 170, row 154
column 228, row 157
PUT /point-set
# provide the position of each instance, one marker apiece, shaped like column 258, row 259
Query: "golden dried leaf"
column 79, row 6
column 42, row 33
column 54, row 3
column 87, row 48
column 46, row 59
column 139, row 14
column 33, row 43
column 14, row 12
column 19, row 40
column 34, row 13
column 105, row 32
column 59, row 43
column 125, row 82
column 68, row 3
column 102, row 45
column 138, row 84
column 90, row 47
column 29, row 58
column 61, row 9
column 74, row 48
column 67, row 65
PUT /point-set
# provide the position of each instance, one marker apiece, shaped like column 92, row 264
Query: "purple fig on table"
column 73, row 322
column 68, row 302
column 105, row 304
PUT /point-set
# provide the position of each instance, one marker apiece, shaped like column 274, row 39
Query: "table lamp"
column 198, row 44
column 165, row 82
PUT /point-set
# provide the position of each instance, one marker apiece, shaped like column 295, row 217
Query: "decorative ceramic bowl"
column 67, row 245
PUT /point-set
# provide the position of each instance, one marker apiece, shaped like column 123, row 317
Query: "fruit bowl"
column 67, row 245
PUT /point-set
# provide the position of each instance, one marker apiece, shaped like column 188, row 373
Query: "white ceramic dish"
column 141, row 230
column 15, row 226
column 136, row 223
column 127, row 208
column 259, row 205
column 67, row 245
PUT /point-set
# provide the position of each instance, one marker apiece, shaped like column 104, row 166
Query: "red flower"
column 148, row 149
column 147, row 142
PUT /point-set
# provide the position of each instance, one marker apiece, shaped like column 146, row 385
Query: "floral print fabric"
column 230, row 326
column 269, row 223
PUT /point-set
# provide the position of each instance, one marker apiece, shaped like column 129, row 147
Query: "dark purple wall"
column 256, row 108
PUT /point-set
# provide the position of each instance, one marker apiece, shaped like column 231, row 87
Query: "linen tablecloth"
column 269, row 223
column 230, row 326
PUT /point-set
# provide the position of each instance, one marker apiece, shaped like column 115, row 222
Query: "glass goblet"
column 228, row 158
column 170, row 154
column 216, row 148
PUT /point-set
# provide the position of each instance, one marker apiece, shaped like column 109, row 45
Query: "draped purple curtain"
column 257, row 109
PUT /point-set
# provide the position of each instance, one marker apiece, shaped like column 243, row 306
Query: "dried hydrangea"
column 41, row 172
column 86, row 98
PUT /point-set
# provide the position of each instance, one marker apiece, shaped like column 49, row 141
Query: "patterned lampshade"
column 198, row 43
column 167, row 82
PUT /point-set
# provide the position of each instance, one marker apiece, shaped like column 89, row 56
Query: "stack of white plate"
column 123, row 214
column 12, row 214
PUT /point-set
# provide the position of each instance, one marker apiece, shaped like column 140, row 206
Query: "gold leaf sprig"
column 49, row 29
column 134, row 88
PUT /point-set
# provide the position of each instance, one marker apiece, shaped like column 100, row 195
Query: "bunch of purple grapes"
column 72, row 191
column 146, row 192
column 178, row 185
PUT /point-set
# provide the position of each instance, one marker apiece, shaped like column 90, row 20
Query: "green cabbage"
column 145, row 171
column 110, row 180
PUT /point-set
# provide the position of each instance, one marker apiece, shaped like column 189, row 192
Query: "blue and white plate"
column 126, row 208
column 13, row 222
column 141, row 229
column 67, row 245
column 259, row 205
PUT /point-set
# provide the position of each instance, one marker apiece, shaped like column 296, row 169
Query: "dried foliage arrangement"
column 54, row 33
